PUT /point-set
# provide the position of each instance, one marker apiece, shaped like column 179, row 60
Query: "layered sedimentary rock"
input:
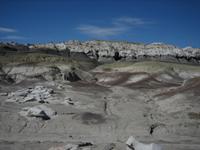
column 19, row 63
column 105, row 50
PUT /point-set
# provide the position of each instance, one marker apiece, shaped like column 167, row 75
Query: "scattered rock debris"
column 40, row 94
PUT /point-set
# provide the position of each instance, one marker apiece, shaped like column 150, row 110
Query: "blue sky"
column 38, row 21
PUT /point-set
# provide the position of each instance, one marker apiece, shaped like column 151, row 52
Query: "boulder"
column 133, row 144
column 40, row 111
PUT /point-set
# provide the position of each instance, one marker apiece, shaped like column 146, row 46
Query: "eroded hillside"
column 52, row 100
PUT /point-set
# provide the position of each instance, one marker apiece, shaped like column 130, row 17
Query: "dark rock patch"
column 117, row 56
column 89, row 118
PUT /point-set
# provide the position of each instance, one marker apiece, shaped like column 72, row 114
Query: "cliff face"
column 105, row 50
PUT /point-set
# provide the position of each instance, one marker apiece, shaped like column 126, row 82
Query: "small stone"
column 29, row 98
column 110, row 146
column 60, row 87
column 71, row 147
column 66, row 147
column 4, row 94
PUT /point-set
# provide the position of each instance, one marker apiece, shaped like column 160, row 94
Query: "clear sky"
column 169, row 21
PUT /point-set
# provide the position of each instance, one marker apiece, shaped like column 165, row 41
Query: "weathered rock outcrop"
column 105, row 50
column 28, row 62
column 12, row 47
column 108, row 50
column 39, row 93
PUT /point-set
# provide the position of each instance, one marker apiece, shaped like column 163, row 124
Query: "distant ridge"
column 127, row 51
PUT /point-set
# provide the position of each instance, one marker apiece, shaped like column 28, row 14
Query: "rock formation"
column 107, row 50
column 128, row 51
